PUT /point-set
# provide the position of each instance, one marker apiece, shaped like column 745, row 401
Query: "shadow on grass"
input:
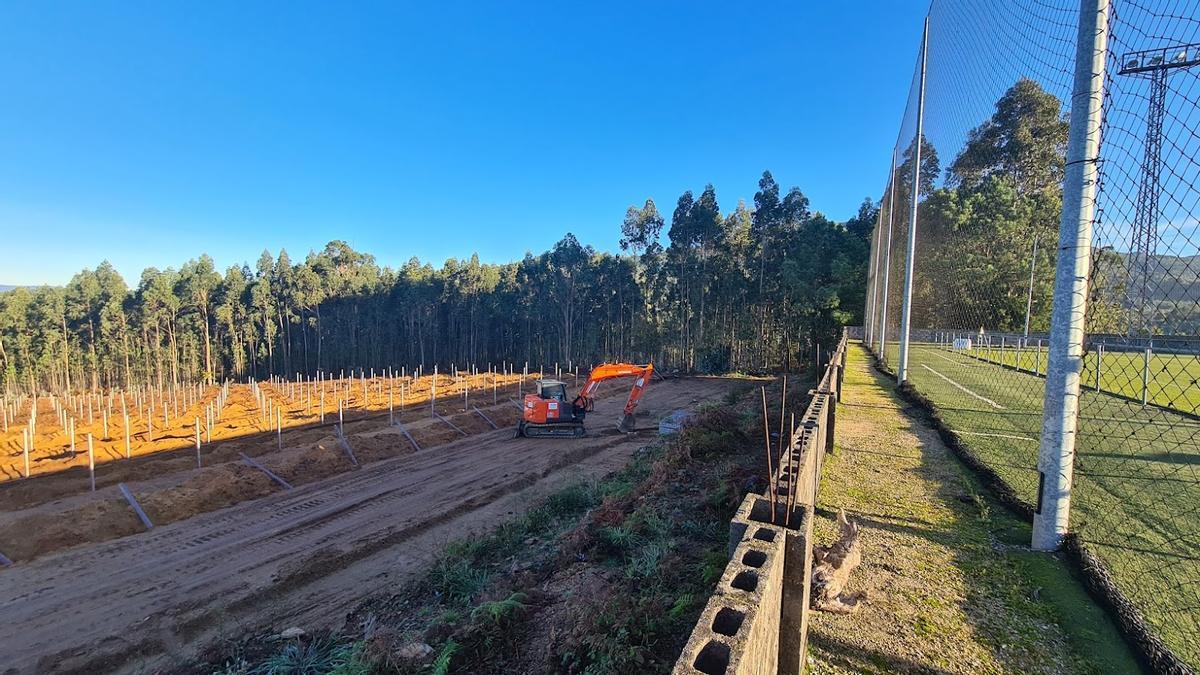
column 855, row 658
column 1010, row 591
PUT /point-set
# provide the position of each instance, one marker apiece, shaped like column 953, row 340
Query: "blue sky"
column 148, row 132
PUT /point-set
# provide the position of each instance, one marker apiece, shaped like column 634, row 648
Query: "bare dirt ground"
column 142, row 601
column 300, row 405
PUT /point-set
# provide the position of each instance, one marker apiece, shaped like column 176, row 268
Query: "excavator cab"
column 552, row 389
column 547, row 413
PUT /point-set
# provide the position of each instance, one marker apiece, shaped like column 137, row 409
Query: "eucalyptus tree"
column 198, row 282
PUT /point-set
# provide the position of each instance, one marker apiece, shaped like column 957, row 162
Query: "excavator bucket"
column 626, row 424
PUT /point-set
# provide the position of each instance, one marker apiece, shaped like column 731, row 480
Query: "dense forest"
column 750, row 289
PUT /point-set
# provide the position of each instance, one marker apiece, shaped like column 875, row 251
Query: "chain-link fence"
column 997, row 90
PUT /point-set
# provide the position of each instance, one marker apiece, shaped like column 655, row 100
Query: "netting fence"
column 998, row 81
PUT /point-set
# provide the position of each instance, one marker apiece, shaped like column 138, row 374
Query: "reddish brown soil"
column 172, row 488
column 240, row 428
column 233, row 552
column 240, row 418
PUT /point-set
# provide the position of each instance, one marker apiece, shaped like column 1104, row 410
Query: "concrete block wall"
column 757, row 618
column 739, row 631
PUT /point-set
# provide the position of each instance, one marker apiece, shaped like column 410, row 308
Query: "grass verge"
column 991, row 417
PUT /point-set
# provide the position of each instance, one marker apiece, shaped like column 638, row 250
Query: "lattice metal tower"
column 1155, row 65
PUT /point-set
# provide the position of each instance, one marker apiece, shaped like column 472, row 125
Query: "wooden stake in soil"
column 25, row 444
column 91, row 463
column 485, row 417
column 126, row 416
column 450, row 424
column 265, row 470
column 346, row 445
column 197, row 442
column 407, row 435
column 772, row 483
column 137, row 508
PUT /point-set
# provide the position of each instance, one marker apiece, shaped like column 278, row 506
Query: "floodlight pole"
column 906, row 308
column 1064, row 364
column 1155, row 64
column 887, row 258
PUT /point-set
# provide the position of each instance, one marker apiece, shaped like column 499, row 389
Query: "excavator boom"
column 611, row 371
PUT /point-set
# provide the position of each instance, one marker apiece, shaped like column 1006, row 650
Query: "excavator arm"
column 585, row 401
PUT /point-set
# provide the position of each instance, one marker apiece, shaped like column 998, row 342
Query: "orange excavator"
column 547, row 413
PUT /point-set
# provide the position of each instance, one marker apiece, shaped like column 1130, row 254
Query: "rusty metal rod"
column 772, row 484
column 792, row 482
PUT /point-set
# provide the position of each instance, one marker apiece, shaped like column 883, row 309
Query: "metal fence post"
column 906, row 308
column 887, row 258
column 1146, row 376
column 1060, row 414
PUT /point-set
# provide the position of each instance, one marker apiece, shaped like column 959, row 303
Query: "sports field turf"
column 1172, row 380
column 1137, row 475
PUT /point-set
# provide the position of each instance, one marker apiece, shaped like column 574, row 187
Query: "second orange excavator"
column 548, row 413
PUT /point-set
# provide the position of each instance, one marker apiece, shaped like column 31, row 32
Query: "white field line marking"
column 964, row 389
column 957, row 363
column 980, row 433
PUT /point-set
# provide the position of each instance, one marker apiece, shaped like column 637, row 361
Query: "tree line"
column 988, row 227
column 755, row 288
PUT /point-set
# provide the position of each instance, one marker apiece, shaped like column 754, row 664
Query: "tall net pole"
column 887, row 257
column 1060, row 414
column 910, row 256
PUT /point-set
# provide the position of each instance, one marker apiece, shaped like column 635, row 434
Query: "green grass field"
column 1171, row 379
column 1136, row 500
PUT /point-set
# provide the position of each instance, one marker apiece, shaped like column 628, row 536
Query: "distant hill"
column 1177, row 278
column 6, row 287
column 1175, row 293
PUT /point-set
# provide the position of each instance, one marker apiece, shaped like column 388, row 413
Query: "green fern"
column 441, row 665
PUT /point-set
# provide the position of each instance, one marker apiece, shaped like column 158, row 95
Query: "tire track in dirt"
column 147, row 599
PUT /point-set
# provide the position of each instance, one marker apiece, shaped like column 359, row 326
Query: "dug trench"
column 153, row 600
